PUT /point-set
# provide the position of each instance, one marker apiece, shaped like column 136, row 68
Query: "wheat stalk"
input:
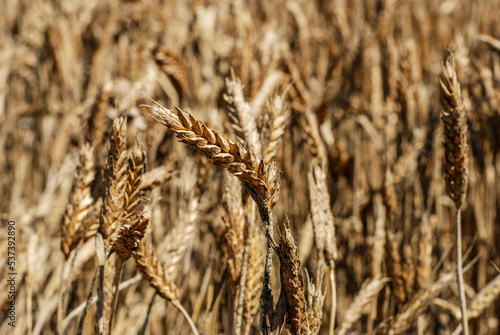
column 455, row 161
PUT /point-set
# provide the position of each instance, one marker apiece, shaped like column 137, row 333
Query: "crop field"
column 250, row 167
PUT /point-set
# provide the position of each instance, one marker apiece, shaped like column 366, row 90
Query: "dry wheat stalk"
column 394, row 267
column 106, row 293
column 260, row 179
column 455, row 161
column 80, row 202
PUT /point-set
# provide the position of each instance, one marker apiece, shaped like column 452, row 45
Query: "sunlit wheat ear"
column 262, row 180
column 455, row 129
column 150, row 268
column 132, row 226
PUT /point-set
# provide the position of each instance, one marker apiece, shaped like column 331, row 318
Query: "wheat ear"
column 260, row 179
column 455, row 161
column 80, row 202
column 150, row 268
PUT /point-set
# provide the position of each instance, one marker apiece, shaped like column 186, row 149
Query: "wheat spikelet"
column 364, row 297
column 260, row 179
column 484, row 298
column 455, row 128
column 129, row 236
column 80, row 202
column 136, row 168
column 293, row 282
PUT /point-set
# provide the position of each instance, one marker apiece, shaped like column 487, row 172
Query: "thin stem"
column 334, row 298
column 181, row 309
column 97, row 274
column 116, row 282
column 266, row 297
column 145, row 326
column 66, row 284
column 89, row 302
column 460, row 275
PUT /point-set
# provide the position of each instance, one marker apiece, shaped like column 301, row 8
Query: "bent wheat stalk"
column 260, row 179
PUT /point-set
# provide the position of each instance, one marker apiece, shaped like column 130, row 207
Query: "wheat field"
column 250, row 167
